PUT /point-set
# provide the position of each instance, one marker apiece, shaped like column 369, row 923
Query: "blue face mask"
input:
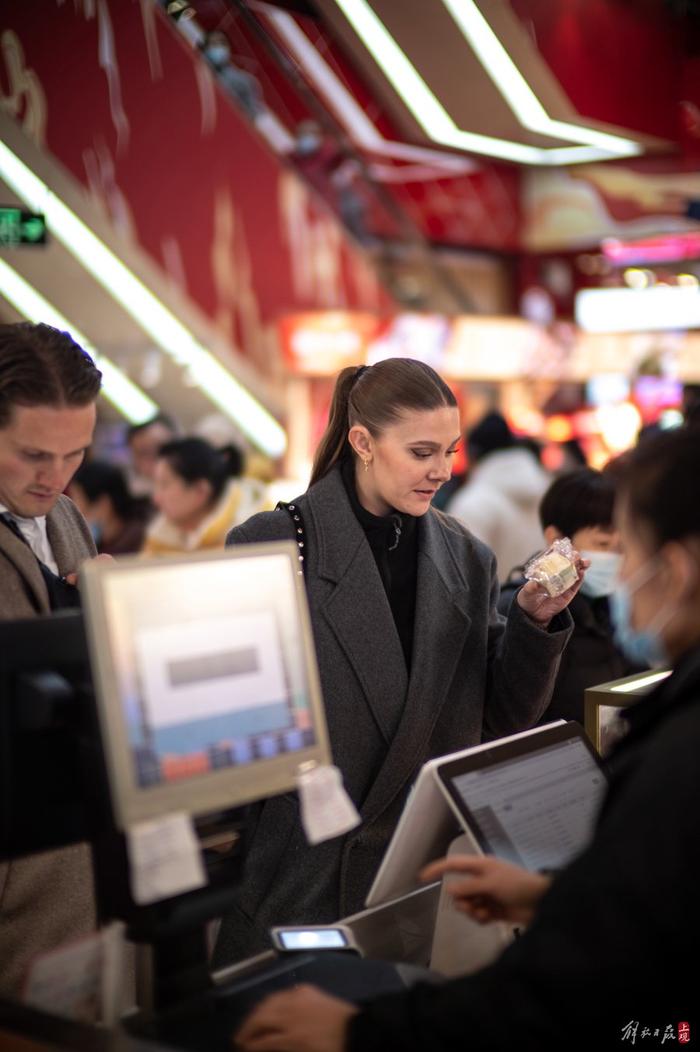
column 601, row 575
column 642, row 646
column 218, row 54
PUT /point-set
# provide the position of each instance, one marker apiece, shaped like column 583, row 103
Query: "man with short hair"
column 48, row 390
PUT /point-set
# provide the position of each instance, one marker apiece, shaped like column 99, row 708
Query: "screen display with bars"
column 205, row 676
column 533, row 802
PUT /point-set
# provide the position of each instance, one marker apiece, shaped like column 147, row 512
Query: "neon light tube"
column 516, row 90
column 436, row 121
column 356, row 122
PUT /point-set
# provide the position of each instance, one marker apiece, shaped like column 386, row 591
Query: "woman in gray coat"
column 414, row 659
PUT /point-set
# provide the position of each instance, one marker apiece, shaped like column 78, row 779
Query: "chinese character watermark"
column 631, row 1032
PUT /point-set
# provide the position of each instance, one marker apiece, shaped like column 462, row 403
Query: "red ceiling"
column 476, row 210
column 619, row 61
column 623, row 62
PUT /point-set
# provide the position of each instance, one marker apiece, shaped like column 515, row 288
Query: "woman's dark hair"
column 194, row 459
column 580, row 498
column 40, row 365
column 659, row 482
column 376, row 396
column 98, row 479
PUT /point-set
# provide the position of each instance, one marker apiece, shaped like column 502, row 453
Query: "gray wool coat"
column 473, row 675
column 45, row 899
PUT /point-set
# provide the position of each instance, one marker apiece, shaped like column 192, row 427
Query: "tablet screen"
column 535, row 807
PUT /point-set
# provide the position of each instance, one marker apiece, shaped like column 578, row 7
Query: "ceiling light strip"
column 126, row 397
column 515, row 89
column 352, row 116
column 432, row 116
column 174, row 339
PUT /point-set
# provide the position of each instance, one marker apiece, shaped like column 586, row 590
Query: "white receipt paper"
column 326, row 809
column 164, row 858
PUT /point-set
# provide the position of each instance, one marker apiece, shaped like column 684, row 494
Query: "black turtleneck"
column 393, row 541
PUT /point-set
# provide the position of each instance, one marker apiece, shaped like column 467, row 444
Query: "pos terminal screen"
column 536, row 807
column 206, row 678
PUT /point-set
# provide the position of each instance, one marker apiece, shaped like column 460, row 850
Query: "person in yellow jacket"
column 199, row 495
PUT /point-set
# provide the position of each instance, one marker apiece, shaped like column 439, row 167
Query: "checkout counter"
column 159, row 640
column 401, row 932
column 395, row 940
column 185, row 693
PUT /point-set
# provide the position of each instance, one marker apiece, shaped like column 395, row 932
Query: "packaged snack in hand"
column 555, row 569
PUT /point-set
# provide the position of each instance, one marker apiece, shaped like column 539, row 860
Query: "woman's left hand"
column 540, row 606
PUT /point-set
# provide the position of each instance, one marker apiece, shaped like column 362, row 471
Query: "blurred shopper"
column 444, row 495
column 573, row 456
column 243, row 87
column 500, row 499
column 332, row 168
column 604, row 962
column 144, row 441
column 414, row 659
column 48, row 390
column 648, row 431
column 117, row 520
column 532, row 445
column 691, row 405
column 580, row 506
column 198, row 496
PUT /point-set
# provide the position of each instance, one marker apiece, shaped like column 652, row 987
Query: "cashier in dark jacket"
column 610, row 954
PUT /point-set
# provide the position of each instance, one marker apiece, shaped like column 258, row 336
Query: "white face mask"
column 601, row 575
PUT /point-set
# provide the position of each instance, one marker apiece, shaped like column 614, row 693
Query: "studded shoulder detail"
column 294, row 513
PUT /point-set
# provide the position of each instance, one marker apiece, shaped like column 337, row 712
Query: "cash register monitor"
column 205, row 678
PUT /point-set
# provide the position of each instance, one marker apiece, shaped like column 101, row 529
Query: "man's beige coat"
column 44, row 899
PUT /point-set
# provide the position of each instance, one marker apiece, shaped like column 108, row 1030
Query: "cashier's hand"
column 540, row 606
column 488, row 889
column 299, row 1020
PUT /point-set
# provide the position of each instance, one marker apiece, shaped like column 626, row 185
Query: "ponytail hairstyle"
column 376, row 396
column 195, row 458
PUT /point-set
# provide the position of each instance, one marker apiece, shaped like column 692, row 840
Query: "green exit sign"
column 18, row 227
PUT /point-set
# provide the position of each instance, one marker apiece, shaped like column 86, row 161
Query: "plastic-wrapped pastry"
column 555, row 568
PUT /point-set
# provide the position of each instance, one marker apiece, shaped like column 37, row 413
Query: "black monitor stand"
column 54, row 792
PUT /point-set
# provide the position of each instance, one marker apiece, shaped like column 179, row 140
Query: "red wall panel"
column 132, row 112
